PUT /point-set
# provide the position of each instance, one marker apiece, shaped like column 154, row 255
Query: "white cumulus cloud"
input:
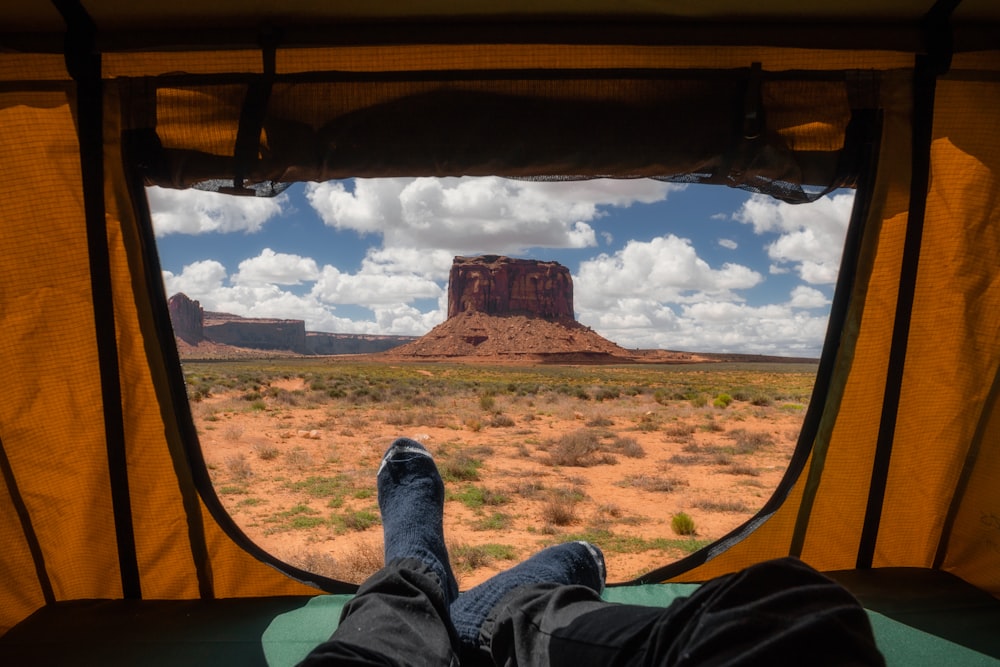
column 199, row 212
column 810, row 237
column 666, row 268
column 477, row 215
column 276, row 268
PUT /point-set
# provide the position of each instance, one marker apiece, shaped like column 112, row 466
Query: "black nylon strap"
column 926, row 70
column 252, row 119
column 923, row 120
column 84, row 64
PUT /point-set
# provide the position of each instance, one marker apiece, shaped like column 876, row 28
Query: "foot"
column 577, row 563
column 411, row 500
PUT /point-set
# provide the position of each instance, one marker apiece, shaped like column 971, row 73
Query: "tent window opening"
column 621, row 352
column 623, row 361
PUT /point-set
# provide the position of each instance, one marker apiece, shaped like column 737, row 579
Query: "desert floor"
column 631, row 458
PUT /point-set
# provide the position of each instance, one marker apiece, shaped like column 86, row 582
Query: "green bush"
column 462, row 468
column 361, row 520
column 722, row 401
column 682, row 524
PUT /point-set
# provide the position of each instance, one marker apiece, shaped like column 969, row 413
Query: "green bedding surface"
column 292, row 634
column 920, row 618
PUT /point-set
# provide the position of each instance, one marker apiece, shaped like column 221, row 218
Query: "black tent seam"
column 168, row 353
column 971, row 457
column 846, row 280
column 824, row 375
column 924, row 82
column 252, row 115
column 937, row 36
column 30, row 537
column 84, row 65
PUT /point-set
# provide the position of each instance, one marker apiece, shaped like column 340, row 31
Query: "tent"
column 115, row 548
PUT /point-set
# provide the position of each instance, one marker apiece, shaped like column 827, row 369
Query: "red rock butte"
column 505, row 308
column 498, row 285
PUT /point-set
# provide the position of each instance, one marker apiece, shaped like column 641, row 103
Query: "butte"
column 506, row 309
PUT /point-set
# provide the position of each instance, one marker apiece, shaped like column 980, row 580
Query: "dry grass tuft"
column 654, row 483
column 239, row 468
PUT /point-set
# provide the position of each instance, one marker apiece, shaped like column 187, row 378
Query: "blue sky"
column 654, row 265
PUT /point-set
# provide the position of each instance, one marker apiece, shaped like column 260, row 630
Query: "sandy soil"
column 299, row 478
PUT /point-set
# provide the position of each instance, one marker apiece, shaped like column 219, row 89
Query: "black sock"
column 571, row 563
column 411, row 500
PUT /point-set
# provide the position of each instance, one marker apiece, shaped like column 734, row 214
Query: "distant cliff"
column 202, row 329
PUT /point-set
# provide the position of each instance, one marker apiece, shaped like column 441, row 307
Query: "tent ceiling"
column 125, row 24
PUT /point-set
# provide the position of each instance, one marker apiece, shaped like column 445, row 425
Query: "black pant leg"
column 398, row 617
column 775, row 613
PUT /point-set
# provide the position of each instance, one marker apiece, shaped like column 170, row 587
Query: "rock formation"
column 256, row 333
column 498, row 285
column 511, row 309
column 187, row 317
column 207, row 334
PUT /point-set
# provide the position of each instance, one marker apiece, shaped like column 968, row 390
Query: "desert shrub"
column 487, row 402
column 679, row 430
column 653, row 483
column 721, row 505
column 527, row 488
column 713, row 426
column 682, row 524
column 748, row 442
column 258, row 406
column 648, row 422
column 305, row 522
column 740, row 469
column 607, row 394
column 239, row 468
column 360, row 520
column 365, row 559
column 721, row 457
column 495, row 521
column 468, row 557
column 610, row 510
column 462, row 468
column 722, row 401
column 600, row 422
column 557, row 512
column 761, row 400
column 265, row 451
column 474, row 424
column 298, row 458
column 578, row 448
column 475, row 497
column 628, row 447
column 501, row 421
column 699, row 400
column 399, row 418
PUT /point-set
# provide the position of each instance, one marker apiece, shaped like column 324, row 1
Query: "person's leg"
column 400, row 616
column 774, row 613
column 574, row 564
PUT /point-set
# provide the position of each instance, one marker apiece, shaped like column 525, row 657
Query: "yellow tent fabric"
column 102, row 488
